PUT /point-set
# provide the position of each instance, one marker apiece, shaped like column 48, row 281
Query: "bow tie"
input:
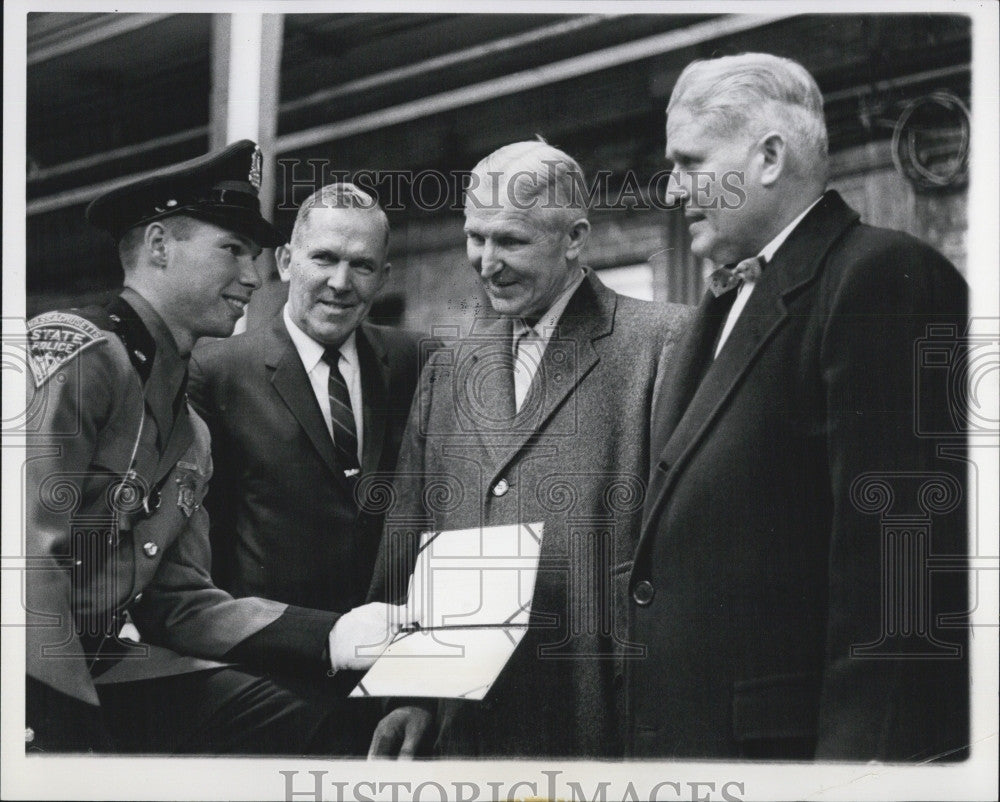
column 723, row 279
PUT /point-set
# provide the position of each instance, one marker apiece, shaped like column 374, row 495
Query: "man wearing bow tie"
column 783, row 616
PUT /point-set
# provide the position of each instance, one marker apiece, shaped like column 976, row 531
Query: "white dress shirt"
column 311, row 354
column 529, row 342
column 744, row 291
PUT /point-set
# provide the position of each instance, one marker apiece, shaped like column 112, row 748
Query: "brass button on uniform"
column 151, row 549
column 501, row 487
column 642, row 593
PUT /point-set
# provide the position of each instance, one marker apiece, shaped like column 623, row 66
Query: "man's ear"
column 773, row 154
column 385, row 274
column 282, row 257
column 577, row 235
column 155, row 242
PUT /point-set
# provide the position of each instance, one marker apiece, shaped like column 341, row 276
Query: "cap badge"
column 256, row 165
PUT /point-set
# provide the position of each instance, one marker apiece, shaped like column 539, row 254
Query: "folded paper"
column 470, row 596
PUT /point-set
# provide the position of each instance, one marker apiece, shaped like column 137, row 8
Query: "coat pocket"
column 776, row 716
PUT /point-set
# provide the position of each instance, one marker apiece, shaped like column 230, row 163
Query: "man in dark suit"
column 540, row 414
column 782, row 587
column 302, row 410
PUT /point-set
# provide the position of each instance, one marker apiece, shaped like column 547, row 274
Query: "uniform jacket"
column 285, row 523
column 796, row 488
column 575, row 459
column 93, row 552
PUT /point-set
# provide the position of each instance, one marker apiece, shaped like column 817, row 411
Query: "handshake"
column 356, row 640
column 362, row 634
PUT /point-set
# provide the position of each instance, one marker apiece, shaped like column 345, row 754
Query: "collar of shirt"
column 310, row 351
column 769, row 250
column 547, row 322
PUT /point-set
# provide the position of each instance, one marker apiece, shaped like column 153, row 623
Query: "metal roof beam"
column 526, row 79
column 491, row 48
column 89, row 32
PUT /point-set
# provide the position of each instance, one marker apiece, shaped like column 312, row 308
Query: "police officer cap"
column 220, row 188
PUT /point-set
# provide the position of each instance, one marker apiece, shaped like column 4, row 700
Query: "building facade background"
column 408, row 103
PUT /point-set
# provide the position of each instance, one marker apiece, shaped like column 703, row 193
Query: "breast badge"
column 188, row 476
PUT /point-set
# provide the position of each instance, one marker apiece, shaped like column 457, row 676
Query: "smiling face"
column 717, row 177
column 335, row 266
column 211, row 274
column 525, row 257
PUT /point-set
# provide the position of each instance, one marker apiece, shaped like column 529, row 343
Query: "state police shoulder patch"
column 56, row 337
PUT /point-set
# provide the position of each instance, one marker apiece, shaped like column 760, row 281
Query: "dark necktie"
column 723, row 279
column 345, row 432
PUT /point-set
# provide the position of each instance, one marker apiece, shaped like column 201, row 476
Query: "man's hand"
column 360, row 635
column 399, row 733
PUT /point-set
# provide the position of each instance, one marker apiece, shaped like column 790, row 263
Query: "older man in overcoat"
column 541, row 414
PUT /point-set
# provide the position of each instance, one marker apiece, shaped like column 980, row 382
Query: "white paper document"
column 470, row 594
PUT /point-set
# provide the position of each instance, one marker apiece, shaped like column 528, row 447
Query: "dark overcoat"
column 805, row 522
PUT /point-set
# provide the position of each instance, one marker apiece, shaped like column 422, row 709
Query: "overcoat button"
column 138, row 598
column 151, row 549
column 642, row 593
column 29, row 735
column 501, row 487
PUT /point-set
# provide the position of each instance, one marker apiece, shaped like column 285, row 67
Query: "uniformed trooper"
column 130, row 647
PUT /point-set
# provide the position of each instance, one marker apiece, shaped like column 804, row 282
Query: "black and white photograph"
column 574, row 400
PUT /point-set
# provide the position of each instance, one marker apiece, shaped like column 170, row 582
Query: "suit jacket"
column 798, row 484
column 575, row 459
column 110, row 431
column 286, row 525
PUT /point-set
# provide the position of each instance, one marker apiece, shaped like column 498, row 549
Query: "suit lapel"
column 795, row 264
column 375, row 377
column 290, row 381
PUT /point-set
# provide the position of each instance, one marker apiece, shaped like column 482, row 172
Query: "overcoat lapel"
column 795, row 264
column 681, row 380
column 375, row 376
column 290, row 381
column 568, row 357
column 483, row 379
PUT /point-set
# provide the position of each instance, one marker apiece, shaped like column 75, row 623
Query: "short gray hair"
column 341, row 195
column 753, row 92
column 543, row 175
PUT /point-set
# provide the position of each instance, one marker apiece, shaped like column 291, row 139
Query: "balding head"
column 525, row 225
column 532, row 176
column 341, row 196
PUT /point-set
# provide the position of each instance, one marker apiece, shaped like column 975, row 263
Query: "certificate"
column 470, row 596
